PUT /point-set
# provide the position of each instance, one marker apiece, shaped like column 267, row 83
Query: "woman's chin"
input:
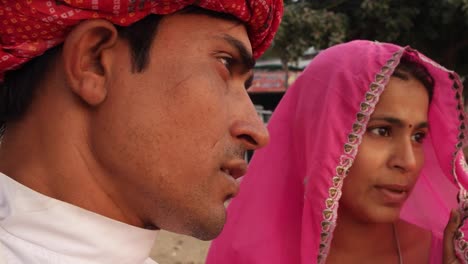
column 386, row 215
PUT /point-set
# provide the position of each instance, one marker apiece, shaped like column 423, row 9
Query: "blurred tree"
column 437, row 28
column 303, row 27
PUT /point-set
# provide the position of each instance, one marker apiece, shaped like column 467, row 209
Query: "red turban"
column 30, row 27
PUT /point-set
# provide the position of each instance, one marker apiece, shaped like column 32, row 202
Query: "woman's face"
column 390, row 156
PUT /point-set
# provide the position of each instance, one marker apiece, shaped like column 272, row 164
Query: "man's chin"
column 205, row 226
column 208, row 233
column 210, row 229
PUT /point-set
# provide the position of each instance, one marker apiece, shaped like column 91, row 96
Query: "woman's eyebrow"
column 398, row 122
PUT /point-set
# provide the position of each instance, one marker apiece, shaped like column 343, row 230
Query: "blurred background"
column 172, row 248
column 439, row 29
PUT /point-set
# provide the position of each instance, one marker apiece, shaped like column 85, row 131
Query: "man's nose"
column 249, row 128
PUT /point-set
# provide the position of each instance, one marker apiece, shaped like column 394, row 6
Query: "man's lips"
column 233, row 170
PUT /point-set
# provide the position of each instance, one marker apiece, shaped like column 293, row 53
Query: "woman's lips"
column 393, row 194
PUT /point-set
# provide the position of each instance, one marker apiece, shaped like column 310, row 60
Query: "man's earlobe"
column 91, row 89
column 87, row 58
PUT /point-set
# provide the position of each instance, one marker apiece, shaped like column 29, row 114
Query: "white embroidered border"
column 461, row 245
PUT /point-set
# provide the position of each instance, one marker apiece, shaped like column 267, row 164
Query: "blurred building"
column 269, row 84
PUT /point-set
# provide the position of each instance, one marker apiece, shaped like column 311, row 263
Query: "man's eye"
column 380, row 131
column 226, row 61
column 419, row 137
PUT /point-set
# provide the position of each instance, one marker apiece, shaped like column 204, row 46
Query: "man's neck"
column 49, row 160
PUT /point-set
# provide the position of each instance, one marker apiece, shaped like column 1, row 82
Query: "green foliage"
column 303, row 27
column 437, row 28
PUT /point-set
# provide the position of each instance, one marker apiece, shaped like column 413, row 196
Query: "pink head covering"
column 286, row 209
column 30, row 27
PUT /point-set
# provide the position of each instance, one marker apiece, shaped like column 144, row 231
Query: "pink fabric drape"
column 286, row 209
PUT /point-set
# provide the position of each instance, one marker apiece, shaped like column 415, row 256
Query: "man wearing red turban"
column 122, row 117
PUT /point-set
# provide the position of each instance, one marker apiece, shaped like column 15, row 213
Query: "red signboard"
column 270, row 81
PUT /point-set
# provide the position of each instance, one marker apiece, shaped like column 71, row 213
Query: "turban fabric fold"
column 29, row 27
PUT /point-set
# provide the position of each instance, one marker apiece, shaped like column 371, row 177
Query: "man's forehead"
column 208, row 28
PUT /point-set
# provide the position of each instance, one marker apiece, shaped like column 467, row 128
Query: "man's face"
column 390, row 156
column 172, row 137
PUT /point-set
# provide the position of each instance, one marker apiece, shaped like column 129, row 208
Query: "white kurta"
column 37, row 229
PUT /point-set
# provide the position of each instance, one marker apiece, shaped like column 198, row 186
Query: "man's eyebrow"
column 398, row 122
column 246, row 57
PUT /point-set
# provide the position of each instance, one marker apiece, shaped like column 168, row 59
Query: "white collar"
column 69, row 230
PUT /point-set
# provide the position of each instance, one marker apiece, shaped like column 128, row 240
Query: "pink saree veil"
column 286, row 210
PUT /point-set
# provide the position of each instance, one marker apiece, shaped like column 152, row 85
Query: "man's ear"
column 87, row 59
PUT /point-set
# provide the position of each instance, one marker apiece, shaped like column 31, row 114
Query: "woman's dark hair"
column 408, row 68
column 19, row 86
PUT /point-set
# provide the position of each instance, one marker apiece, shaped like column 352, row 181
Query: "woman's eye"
column 419, row 137
column 381, row 131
